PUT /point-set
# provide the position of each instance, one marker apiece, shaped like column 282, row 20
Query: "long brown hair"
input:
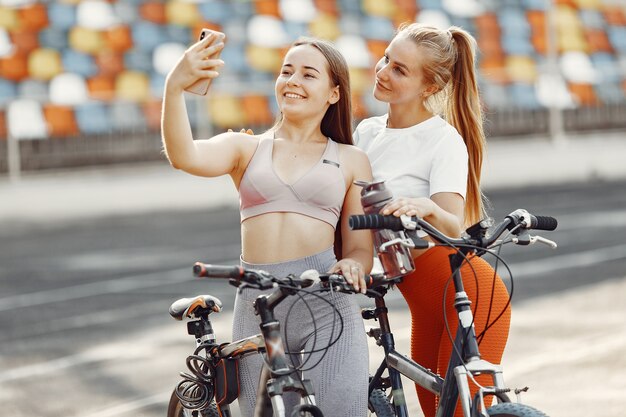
column 449, row 66
column 337, row 122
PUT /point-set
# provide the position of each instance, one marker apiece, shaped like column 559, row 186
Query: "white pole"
column 13, row 158
column 555, row 115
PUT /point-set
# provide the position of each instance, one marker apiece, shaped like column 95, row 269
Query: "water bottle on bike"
column 393, row 253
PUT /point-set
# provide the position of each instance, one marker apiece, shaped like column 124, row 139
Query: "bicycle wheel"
column 379, row 404
column 514, row 410
column 176, row 409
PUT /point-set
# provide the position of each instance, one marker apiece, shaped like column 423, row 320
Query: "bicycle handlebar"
column 257, row 278
column 516, row 222
column 530, row 221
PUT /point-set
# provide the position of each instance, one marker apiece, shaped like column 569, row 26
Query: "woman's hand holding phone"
column 199, row 64
column 201, row 87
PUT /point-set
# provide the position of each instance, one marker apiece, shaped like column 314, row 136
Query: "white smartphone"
column 201, row 87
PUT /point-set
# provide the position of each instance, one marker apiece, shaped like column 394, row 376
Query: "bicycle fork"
column 461, row 368
column 396, row 363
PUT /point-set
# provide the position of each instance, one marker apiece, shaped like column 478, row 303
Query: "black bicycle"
column 465, row 362
column 212, row 382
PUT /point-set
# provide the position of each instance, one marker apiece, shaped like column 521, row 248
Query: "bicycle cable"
column 308, row 353
column 196, row 390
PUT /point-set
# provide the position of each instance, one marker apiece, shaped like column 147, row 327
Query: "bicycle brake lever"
column 407, row 243
column 540, row 239
column 527, row 239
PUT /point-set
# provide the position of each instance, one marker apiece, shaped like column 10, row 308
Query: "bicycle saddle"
column 194, row 307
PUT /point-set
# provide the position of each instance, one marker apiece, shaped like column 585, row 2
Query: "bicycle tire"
column 379, row 404
column 176, row 409
column 514, row 410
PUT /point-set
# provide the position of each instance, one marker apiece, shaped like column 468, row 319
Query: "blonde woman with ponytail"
column 429, row 150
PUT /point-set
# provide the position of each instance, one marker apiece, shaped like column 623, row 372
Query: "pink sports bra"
column 319, row 193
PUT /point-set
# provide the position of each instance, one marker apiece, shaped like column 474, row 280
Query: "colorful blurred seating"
column 79, row 60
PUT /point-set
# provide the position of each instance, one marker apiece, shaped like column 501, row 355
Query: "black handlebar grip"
column 374, row 221
column 373, row 281
column 217, row 271
column 543, row 222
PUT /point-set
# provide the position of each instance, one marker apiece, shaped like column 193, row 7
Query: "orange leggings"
column 423, row 291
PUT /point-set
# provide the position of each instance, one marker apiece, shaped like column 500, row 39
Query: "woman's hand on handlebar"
column 353, row 272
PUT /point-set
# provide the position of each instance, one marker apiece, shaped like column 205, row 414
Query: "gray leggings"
column 340, row 379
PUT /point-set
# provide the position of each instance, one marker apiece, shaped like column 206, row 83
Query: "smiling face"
column 303, row 87
column 399, row 75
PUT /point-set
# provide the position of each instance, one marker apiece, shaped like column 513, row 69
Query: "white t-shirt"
column 417, row 161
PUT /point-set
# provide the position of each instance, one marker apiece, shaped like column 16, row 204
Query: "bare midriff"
column 278, row 237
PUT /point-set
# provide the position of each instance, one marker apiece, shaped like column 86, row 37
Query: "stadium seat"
column 267, row 8
column 274, row 35
column 607, row 67
column 25, row 120
column 257, row 111
column 153, row 11
column 592, row 19
column 576, row 67
column 79, row 63
column 127, row 117
column 610, row 93
column 583, row 94
column 3, row 125
column 33, row 17
column 96, row 15
column 553, row 91
column 302, row 11
column 152, row 114
column 330, row 6
column 14, row 66
column 181, row 13
column 53, row 37
column 118, row 38
column 24, row 40
column 44, row 64
column 83, row 39
column 216, row 11
column 132, row 86
column 9, row 19
column 33, row 89
column 614, row 15
column 380, row 8
column 378, row 28
column 325, row 26
column 226, row 111
column 523, row 95
column 60, row 121
column 101, row 87
column 109, row 63
column 147, row 35
column 521, row 68
column 68, row 89
column 264, row 59
column 127, row 12
column 61, row 15
column 166, row 55
column 8, row 91
column 356, row 51
column 138, row 60
column 93, row 118
column 435, row 18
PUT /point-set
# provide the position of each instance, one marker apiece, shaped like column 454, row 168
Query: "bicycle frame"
column 455, row 386
column 277, row 377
